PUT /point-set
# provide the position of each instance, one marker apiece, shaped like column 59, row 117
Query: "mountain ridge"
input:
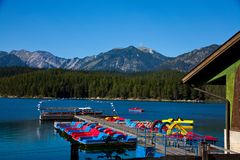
column 128, row 59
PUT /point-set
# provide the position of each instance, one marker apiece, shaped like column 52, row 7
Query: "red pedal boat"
column 135, row 109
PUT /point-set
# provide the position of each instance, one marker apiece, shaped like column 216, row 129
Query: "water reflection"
column 74, row 151
column 112, row 153
column 109, row 152
column 38, row 140
column 31, row 140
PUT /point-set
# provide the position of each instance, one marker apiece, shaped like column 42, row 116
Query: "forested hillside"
column 12, row 71
column 81, row 84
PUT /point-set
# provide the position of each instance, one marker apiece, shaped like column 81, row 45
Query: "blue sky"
column 79, row 28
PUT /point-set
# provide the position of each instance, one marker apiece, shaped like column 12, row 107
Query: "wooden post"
column 202, row 150
column 236, row 103
column 145, row 138
column 74, row 151
column 227, row 116
column 165, row 145
column 227, row 124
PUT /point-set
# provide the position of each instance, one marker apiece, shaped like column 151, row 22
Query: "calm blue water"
column 22, row 136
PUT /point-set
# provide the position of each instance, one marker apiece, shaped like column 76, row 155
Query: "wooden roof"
column 222, row 58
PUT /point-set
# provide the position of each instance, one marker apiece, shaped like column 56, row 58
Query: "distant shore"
column 118, row 99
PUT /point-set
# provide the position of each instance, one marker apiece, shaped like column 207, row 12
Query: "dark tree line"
column 81, row 84
column 11, row 71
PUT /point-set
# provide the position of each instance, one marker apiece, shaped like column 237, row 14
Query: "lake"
column 23, row 136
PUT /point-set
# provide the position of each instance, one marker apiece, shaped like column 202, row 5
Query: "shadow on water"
column 116, row 153
column 100, row 154
column 79, row 151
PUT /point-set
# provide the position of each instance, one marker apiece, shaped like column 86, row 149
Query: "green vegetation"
column 12, row 71
column 81, row 84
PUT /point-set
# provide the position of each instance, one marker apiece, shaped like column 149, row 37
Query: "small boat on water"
column 135, row 109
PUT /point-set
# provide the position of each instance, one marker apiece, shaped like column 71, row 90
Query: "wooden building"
column 223, row 68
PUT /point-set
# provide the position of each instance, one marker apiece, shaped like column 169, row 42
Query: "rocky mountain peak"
column 147, row 50
column 129, row 59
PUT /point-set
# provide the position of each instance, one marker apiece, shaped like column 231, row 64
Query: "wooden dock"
column 64, row 113
column 144, row 138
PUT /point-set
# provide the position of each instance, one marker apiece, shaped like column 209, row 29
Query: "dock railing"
column 162, row 143
column 168, row 145
column 213, row 149
column 209, row 151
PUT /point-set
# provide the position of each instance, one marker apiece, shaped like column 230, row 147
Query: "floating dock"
column 170, row 147
column 64, row 113
column 144, row 139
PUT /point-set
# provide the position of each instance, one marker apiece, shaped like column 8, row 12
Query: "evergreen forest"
column 59, row 83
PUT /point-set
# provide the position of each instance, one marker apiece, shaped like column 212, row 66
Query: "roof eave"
column 223, row 48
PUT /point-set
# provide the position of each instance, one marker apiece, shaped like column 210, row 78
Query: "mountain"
column 187, row 61
column 77, row 63
column 10, row 60
column 132, row 59
column 129, row 59
column 3, row 53
column 43, row 59
column 39, row 59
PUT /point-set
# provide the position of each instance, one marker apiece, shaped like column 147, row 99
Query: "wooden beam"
column 222, row 49
column 236, row 103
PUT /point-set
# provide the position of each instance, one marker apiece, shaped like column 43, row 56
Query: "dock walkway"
column 144, row 138
column 64, row 113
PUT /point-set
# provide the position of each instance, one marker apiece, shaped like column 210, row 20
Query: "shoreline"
column 118, row 99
